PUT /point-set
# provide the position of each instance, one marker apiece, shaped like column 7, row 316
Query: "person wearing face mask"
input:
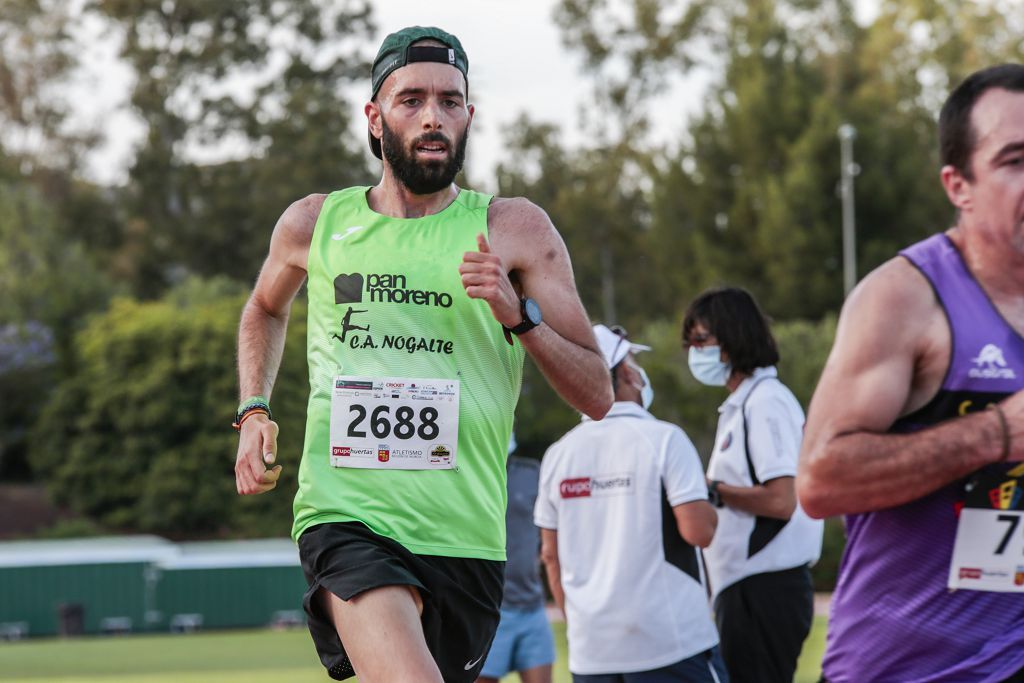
column 758, row 563
column 622, row 507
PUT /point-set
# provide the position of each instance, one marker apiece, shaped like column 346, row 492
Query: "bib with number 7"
column 989, row 551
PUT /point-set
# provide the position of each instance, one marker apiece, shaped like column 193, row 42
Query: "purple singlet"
column 893, row 618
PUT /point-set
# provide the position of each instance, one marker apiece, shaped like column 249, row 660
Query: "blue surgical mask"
column 646, row 391
column 707, row 366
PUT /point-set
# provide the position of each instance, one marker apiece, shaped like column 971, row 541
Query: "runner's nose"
column 430, row 115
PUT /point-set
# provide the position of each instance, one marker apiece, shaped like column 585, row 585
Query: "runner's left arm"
column 525, row 247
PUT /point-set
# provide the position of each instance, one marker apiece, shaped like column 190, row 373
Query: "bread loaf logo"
column 388, row 288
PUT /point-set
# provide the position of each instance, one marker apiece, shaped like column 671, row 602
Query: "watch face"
column 532, row 311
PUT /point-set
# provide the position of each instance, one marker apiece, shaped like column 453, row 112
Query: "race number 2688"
column 394, row 423
column 404, row 425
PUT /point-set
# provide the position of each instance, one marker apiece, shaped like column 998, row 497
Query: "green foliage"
column 49, row 282
column 24, row 391
column 139, row 437
column 38, row 57
column 749, row 194
column 826, row 571
column 803, row 348
column 77, row 527
column 45, row 277
column 595, row 200
column 258, row 82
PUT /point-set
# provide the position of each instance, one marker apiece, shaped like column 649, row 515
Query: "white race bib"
column 988, row 554
column 394, row 423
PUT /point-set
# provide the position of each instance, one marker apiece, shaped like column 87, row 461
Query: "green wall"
column 33, row 594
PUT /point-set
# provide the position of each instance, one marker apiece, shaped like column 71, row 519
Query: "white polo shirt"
column 775, row 420
column 634, row 593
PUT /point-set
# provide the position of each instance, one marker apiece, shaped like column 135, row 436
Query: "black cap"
column 397, row 51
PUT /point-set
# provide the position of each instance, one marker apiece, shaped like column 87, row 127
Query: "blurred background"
column 147, row 148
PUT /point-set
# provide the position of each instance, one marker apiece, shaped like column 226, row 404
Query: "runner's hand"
column 484, row 277
column 257, row 447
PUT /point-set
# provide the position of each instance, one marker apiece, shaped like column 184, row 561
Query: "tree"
column 257, row 81
column 138, row 438
column 594, row 198
column 38, row 58
column 749, row 196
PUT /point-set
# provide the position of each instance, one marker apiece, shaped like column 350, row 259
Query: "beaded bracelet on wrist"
column 248, row 410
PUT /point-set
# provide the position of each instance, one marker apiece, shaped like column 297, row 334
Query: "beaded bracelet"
column 994, row 407
column 255, row 410
column 248, row 410
column 252, row 401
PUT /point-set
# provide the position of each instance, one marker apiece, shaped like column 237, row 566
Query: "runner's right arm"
column 885, row 364
column 696, row 521
column 549, row 555
column 261, row 337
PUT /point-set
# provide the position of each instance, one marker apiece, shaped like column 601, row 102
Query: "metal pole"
column 848, row 170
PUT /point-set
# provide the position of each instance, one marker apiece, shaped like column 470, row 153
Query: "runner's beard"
column 427, row 177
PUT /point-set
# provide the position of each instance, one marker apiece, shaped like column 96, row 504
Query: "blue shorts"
column 523, row 641
column 705, row 667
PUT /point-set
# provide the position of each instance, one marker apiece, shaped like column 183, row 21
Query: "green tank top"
column 386, row 300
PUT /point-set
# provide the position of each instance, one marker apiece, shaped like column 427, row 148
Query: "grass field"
column 226, row 657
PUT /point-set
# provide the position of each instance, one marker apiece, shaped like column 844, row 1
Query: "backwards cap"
column 397, row 51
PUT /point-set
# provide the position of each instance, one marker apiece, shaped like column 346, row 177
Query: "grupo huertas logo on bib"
column 384, row 288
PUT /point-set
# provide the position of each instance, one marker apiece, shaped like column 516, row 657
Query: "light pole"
column 848, row 169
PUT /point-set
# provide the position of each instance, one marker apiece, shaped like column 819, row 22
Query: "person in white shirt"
column 758, row 563
column 623, row 509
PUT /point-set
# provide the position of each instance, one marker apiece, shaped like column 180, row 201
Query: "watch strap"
column 525, row 326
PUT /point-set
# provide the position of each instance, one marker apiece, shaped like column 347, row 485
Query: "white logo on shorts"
column 470, row 665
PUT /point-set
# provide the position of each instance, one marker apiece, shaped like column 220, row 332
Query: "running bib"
column 989, row 551
column 394, row 423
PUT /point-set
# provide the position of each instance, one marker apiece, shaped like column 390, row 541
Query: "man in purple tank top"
column 916, row 430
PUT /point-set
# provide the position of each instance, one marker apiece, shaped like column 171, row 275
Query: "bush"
column 139, row 437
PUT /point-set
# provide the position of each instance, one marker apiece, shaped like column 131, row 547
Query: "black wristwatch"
column 531, row 318
column 714, row 495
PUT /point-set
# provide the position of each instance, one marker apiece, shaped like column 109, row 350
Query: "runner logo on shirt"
column 991, row 364
column 588, row 487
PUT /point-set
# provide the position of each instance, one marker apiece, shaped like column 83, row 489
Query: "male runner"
column 400, row 510
column 898, row 436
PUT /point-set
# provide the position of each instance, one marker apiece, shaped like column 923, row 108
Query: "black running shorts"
column 461, row 596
